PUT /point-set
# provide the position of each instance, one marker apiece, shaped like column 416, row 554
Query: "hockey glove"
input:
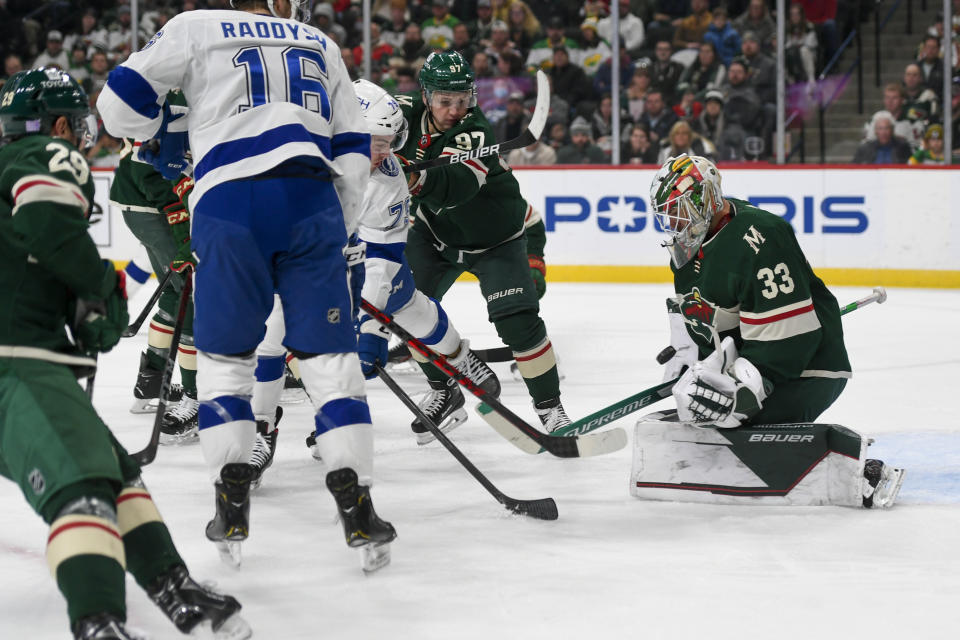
column 720, row 391
column 687, row 352
column 415, row 179
column 99, row 324
column 178, row 217
column 372, row 346
column 356, row 254
column 167, row 151
column 538, row 270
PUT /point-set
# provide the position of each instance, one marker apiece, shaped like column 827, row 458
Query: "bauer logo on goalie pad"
column 699, row 314
column 779, row 437
column 475, row 153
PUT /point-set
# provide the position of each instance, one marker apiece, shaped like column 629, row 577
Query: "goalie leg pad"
column 788, row 464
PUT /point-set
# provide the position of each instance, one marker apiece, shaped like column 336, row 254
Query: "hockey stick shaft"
column 147, row 455
column 496, row 354
column 147, row 308
column 649, row 396
column 561, row 447
column 530, row 135
column 543, row 509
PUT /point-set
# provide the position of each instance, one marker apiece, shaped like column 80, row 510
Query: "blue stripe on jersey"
column 269, row 368
column 136, row 272
column 340, row 413
column 392, row 252
column 224, row 409
column 351, row 142
column 135, row 91
column 242, row 148
column 440, row 330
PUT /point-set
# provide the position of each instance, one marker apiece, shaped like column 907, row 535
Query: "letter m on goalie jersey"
column 754, row 238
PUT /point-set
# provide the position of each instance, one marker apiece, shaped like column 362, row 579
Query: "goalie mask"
column 382, row 113
column 685, row 195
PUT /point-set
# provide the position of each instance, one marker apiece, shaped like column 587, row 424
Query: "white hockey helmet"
column 685, row 195
column 382, row 113
column 299, row 9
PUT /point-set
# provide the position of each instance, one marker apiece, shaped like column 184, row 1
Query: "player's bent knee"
column 330, row 376
column 86, row 525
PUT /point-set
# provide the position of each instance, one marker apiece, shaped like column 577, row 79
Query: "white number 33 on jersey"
column 770, row 276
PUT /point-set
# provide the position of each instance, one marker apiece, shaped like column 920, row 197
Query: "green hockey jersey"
column 752, row 281
column 50, row 259
column 137, row 186
column 472, row 205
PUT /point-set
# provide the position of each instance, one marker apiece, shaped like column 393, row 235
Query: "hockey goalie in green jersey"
column 759, row 355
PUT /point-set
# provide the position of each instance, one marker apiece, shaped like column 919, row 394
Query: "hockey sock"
column 187, row 357
column 149, row 548
column 538, row 366
column 159, row 338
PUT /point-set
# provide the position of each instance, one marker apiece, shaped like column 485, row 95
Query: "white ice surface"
column 611, row 566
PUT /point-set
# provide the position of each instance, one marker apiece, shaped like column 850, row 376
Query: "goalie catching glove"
column 721, row 391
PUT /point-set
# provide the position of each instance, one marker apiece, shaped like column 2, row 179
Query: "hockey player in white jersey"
column 281, row 157
column 384, row 223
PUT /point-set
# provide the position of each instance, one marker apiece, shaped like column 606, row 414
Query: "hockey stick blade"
column 542, row 509
column 530, row 135
column 134, row 327
column 562, row 447
column 595, row 444
column 146, row 455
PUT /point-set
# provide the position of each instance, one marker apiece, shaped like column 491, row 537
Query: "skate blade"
column 144, row 405
column 293, row 396
column 229, row 551
column 887, row 494
column 453, row 421
column 188, row 437
column 407, row 367
column 233, row 628
column 374, row 557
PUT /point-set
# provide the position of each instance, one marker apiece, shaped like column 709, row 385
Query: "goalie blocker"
column 783, row 464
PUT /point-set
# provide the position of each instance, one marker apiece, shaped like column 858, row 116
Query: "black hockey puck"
column 664, row 356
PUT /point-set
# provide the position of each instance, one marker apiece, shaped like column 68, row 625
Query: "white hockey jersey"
column 384, row 223
column 261, row 90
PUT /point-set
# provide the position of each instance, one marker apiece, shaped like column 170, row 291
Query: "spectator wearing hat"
column 500, row 40
column 657, row 116
column 636, row 91
column 932, row 150
column 437, row 30
column 664, row 71
column 710, row 123
column 885, row 148
column 581, row 149
column 541, row 53
column 53, row 55
column 757, row 20
column 570, row 82
column 690, row 30
column 323, row 20
column 637, row 149
column 516, row 119
column 524, row 26
column 706, row 72
column 480, row 29
column 392, row 29
column 593, row 49
column 534, row 154
column 763, row 70
column 724, row 37
column 631, row 29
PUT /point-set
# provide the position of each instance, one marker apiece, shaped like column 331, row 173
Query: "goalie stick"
column 504, row 421
column 136, row 324
column 147, row 455
column 530, row 135
column 542, row 509
column 647, row 397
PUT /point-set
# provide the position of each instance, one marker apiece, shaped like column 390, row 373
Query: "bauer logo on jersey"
column 699, row 314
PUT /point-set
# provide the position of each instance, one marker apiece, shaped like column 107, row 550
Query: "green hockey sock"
column 150, row 552
column 92, row 584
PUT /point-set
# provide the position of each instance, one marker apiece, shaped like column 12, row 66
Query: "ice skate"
column 231, row 523
column 552, row 415
column 399, row 360
column 198, row 610
column 293, row 391
column 881, row 484
column 180, row 422
column 444, row 406
column 263, row 448
column 361, row 525
column 147, row 390
column 103, row 626
column 479, row 372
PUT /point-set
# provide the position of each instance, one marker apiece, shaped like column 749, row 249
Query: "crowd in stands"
column 695, row 75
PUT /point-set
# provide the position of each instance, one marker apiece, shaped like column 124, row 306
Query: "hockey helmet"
column 299, row 9
column 447, row 72
column 31, row 101
column 382, row 113
column 685, row 195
